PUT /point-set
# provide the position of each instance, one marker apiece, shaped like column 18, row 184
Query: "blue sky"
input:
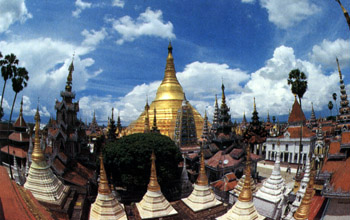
column 120, row 51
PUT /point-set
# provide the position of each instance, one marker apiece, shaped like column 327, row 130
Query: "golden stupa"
column 168, row 101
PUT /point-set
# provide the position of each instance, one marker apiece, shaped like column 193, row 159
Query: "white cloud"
column 47, row 61
column 118, row 3
column 287, row 13
column 80, row 6
column 269, row 86
column 248, row 1
column 149, row 23
column 327, row 51
column 11, row 12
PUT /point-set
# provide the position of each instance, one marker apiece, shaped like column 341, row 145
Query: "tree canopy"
column 298, row 80
column 128, row 159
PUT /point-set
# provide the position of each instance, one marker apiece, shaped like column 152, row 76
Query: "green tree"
column 334, row 95
column 298, row 82
column 19, row 82
column 330, row 106
column 128, row 159
column 9, row 67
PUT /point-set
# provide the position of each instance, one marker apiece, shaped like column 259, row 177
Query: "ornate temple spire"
column 170, row 88
column 205, row 133
column 296, row 116
column 153, row 184
column 70, row 76
column 147, row 127
column 223, row 97
column 268, row 117
column 37, row 154
column 202, row 179
column 216, row 112
column 103, row 187
column 255, row 117
column 244, row 120
column 344, row 103
column 112, row 118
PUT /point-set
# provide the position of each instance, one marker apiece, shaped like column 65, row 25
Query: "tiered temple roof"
column 153, row 203
column 106, row 206
column 201, row 197
column 41, row 181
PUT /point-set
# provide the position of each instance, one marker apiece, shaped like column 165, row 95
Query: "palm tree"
column 330, row 107
column 19, row 82
column 335, row 101
column 8, row 69
column 298, row 82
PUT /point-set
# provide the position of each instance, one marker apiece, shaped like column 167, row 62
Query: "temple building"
column 66, row 133
column 201, row 197
column 271, row 199
column 106, row 206
column 185, row 129
column 153, row 203
column 290, row 139
column 168, row 101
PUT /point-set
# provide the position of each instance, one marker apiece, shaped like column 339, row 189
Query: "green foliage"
column 298, row 80
column 128, row 159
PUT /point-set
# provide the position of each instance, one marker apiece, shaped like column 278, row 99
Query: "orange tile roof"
column 341, row 177
column 331, row 166
column 58, row 165
column 75, row 178
column 20, row 122
column 297, row 114
column 345, row 137
column 230, row 176
column 334, row 147
column 220, row 184
column 18, row 152
column 20, row 137
column 218, row 160
column 84, row 171
column 17, row 202
column 315, row 206
column 295, row 132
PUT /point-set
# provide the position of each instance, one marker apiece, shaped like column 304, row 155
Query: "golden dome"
column 170, row 88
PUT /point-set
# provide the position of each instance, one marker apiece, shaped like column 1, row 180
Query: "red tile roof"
column 341, row 177
column 18, row 152
column 18, row 203
column 84, row 171
column 220, row 185
column 255, row 157
column 345, row 137
column 331, row 166
column 230, row 176
column 58, row 165
column 19, row 137
column 297, row 114
column 295, row 132
column 218, row 160
column 74, row 177
column 334, row 147
column 20, row 122
column 315, row 206
column 236, row 153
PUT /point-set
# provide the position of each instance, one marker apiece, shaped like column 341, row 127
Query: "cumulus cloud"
column 80, row 6
column 327, row 51
column 287, row 13
column 11, row 12
column 269, row 86
column 47, row 61
column 118, row 3
column 149, row 23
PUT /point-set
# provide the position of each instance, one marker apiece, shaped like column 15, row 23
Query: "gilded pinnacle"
column 37, row 154
column 202, row 179
column 153, row 184
column 103, row 187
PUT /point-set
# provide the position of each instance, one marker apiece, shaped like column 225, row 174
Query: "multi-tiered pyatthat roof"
column 41, row 181
column 153, row 203
column 106, row 206
column 344, row 110
column 201, row 197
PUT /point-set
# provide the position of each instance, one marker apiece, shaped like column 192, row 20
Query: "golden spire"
column 170, row 88
column 340, row 75
column 346, row 14
column 37, row 154
column 254, row 105
column 223, row 98
column 103, row 187
column 202, row 179
column 304, row 208
column 246, row 193
column 154, row 119
column 216, row 100
column 153, row 184
column 70, row 76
